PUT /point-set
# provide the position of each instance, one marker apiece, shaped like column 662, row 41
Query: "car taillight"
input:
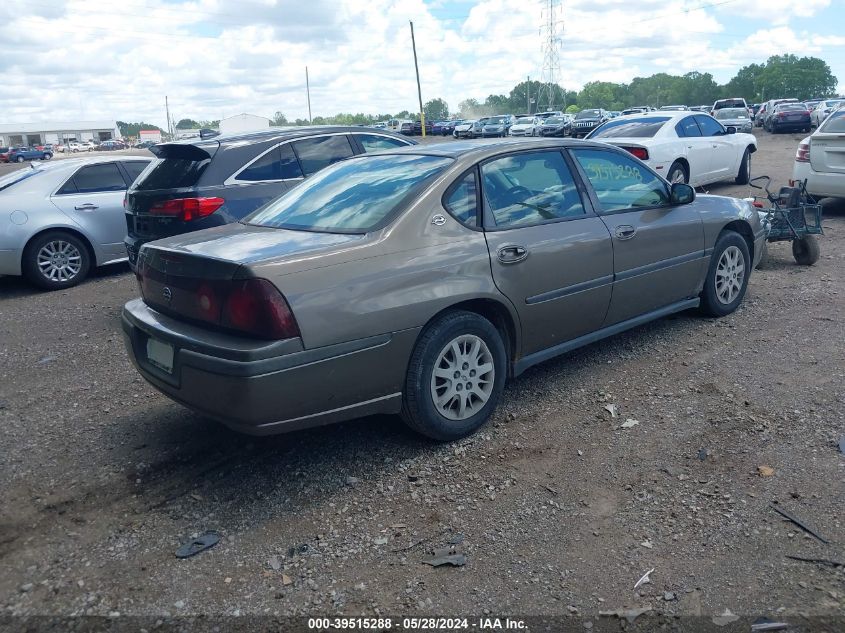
column 639, row 152
column 187, row 209
column 803, row 153
column 256, row 307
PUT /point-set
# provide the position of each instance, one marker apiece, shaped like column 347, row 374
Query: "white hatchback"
column 820, row 159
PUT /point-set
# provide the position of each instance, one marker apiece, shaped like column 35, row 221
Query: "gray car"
column 65, row 218
column 416, row 281
column 734, row 117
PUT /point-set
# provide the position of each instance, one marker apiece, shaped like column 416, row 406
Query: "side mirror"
column 731, row 129
column 681, row 193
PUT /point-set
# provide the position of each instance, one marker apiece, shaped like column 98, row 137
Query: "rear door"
column 827, row 145
column 658, row 249
column 550, row 254
column 93, row 198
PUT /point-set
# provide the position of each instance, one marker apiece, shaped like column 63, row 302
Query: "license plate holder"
column 160, row 355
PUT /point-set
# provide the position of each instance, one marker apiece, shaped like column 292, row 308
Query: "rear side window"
column 461, row 199
column 320, row 152
column 278, row 164
column 375, row 142
column 134, row 168
column 95, row 178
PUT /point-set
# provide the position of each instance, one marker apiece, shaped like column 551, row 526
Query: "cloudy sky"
column 117, row 59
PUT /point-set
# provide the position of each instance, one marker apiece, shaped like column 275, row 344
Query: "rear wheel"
column 677, row 173
column 806, row 250
column 56, row 260
column 744, row 169
column 455, row 376
column 727, row 276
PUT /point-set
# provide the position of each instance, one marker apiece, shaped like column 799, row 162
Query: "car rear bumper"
column 819, row 184
column 268, row 387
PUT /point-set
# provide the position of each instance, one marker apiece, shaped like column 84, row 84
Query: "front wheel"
column 744, row 168
column 47, row 157
column 56, row 260
column 805, row 250
column 19, row 159
column 727, row 276
column 455, row 376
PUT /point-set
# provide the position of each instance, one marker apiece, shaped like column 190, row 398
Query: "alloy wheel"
column 730, row 274
column 59, row 260
column 463, row 377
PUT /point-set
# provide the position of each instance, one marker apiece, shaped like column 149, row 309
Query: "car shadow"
column 15, row 287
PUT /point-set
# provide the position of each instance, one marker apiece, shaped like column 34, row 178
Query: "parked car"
column 673, row 108
column 556, row 126
column 418, row 127
column 819, row 159
column 89, row 146
column 733, row 102
column 545, row 115
column 68, row 218
column 448, row 127
column 526, row 126
column 202, row 183
column 406, row 128
column 824, row 108
column 4, row 154
column 20, row 154
column 760, row 116
column 587, row 120
column 477, row 127
column 687, row 147
column 755, row 108
column 354, row 277
column 788, row 116
column 107, row 146
column 635, row 110
column 770, row 107
column 735, row 117
column 464, row 129
column 497, row 126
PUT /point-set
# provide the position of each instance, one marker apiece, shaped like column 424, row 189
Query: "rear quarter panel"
column 719, row 211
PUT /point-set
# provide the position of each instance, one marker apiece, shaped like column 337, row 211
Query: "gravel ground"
column 558, row 510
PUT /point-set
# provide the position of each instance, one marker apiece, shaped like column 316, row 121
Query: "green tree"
column 573, row 109
column 471, row 109
column 601, row 94
column 791, row 76
column 745, row 83
column 436, row 110
column 279, row 119
column 187, row 124
column 132, row 129
column 497, row 104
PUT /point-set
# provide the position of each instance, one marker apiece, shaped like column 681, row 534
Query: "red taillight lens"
column 757, row 204
column 187, row 209
column 639, row 152
column 256, row 307
column 781, row 115
column 803, row 153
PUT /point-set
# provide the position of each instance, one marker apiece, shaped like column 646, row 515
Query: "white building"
column 243, row 123
column 12, row 134
column 149, row 135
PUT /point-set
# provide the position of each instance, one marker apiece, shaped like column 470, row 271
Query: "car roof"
column 72, row 163
column 281, row 134
column 664, row 114
column 480, row 149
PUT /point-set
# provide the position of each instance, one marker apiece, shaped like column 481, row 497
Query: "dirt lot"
column 557, row 509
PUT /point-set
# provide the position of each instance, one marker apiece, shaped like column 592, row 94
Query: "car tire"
column 19, row 159
column 730, row 264
column 744, row 174
column 806, row 250
column 47, row 156
column 72, row 264
column 460, row 341
column 677, row 168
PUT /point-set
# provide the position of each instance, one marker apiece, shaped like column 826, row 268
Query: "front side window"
column 709, row 126
column 320, row 152
column 530, row 188
column 97, row 178
column 686, row 128
column 461, row 199
column 376, row 142
column 353, row 196
column 621, row 183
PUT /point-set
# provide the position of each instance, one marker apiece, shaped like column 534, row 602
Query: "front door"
column 93, row 198
column 724, row 158
column 658, row 248
column 550, row 254
column 697, row 151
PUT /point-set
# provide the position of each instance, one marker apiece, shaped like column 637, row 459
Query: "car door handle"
column 511, row 254
column 625, row 232
column 86, row 207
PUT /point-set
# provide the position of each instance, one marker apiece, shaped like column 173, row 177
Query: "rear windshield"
column 835, row 123
column 170, row 173
column 354, row 196
column 728, row 103
column 630, row 128
column 791, row 106
column 555, row 120
column 731, row 113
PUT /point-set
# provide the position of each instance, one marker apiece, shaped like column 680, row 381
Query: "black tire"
column 806, row 250
column 711, row 304
column 33, row 272
column 744, row 174
column 418, row 407
column 677, row 167
column 47, row 156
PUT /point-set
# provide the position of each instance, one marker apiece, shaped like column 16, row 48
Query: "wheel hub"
column 463, row 377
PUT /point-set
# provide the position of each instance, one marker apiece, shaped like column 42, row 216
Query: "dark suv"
column 202, row 183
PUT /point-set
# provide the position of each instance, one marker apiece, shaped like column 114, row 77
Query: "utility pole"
column 167, row 109
column 528, row 95
column 308, row 92
column 419, row 90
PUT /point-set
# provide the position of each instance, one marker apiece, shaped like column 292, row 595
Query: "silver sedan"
column 62, row 219
column 416, row 281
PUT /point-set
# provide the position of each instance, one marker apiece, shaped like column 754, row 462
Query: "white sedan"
column 820, row 159
column 688, row 147
column 525, row 126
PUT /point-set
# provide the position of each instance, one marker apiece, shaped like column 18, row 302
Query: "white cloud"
column 215, row 58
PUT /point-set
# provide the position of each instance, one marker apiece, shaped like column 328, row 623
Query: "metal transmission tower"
column 550, row 31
